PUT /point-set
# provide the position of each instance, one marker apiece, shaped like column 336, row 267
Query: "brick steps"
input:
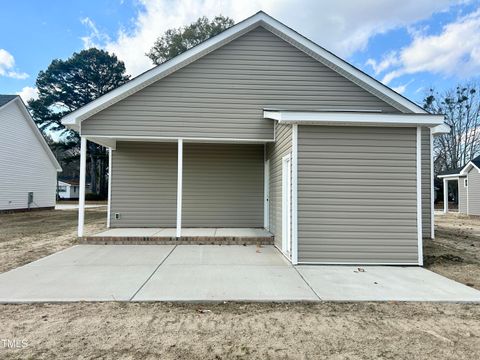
column 184, row 240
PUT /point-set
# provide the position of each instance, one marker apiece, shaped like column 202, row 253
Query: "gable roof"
column 322, row 55
column 463, row 170
column 26, row 114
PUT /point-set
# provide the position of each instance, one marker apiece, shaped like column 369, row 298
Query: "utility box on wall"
column 30, row 199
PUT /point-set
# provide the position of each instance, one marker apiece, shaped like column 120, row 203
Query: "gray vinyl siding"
column 473, row 192
column 223, row 185
column 357, row 195
column 275, row 152
column 223, row 94
column 462, row 196
column 144, row 184
column 426, row 184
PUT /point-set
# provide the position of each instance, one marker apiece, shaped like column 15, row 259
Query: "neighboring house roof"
column 462, row 171
column 450, row 173
column 70, row 181
column 4, row 99
column 327, row 58
column 15, row 98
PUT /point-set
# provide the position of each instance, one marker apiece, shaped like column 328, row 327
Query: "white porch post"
column 294, row 194
column 419, row 196
column 179, row 188
column 109, row 186
column 81, row 197
column 445, row 195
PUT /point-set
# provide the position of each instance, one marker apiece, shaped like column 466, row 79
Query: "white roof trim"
column 73, row 119
column 353, row 118
column 449, row 176
column 35, row 130
column 441, row 129
column 467, row 168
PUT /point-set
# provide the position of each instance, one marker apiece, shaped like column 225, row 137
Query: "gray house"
column 259, row 127
column 468, row 180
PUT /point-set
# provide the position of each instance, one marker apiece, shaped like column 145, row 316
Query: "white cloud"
column 95, row 38
column 387, row 62
column 28, row 93
column 7, row 66
column 342, row 26
column 455, row 51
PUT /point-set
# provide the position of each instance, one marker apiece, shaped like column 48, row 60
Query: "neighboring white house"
column 28, row 168
column 68, row 189
column 468, row 179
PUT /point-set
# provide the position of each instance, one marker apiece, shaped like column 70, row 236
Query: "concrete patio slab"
column 111, row 255
column 72, row 283
column 214, row 273
column 225, row 283
column 130, row 232
column 226, row 255
column 384, row 283
column 83, row 273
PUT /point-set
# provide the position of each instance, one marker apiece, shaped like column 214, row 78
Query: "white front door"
column 287, row 205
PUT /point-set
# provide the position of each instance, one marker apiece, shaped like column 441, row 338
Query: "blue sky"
column 409, row 45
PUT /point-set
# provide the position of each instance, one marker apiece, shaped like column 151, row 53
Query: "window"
column 62, row 188
column 465, row 182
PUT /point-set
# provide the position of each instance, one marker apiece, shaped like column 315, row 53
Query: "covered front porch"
column 183, row 191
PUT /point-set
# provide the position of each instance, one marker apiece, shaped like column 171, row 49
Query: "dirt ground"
column 28, row 236
column 237, row 330
column 455, row 252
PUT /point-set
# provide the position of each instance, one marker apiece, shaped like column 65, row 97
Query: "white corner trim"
column 81, row 196
column 432, row 190
column 294, row 194
column 468, row 200
column 109, row 208
column 419, row 196
column 259, row 19
column 179, row 188
column 353, row 118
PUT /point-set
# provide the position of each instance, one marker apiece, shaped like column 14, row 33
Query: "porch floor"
column 186, row 232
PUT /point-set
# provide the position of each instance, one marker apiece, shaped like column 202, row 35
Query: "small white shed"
column 28, row 168
column 68, row 189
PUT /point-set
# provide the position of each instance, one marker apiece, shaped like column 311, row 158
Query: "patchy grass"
column 28, row 236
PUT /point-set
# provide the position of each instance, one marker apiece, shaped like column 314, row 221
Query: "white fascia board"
column 101, row 139
column 353, row 118
column 37, row 132
column 73, row 119
column 441, row 129
column 449, row 176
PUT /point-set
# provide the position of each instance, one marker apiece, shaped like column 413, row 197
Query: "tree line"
column 67, row 85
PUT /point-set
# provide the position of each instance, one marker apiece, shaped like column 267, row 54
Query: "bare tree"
column 461, row 107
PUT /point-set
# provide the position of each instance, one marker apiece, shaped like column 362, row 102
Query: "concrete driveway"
column 214, row 273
